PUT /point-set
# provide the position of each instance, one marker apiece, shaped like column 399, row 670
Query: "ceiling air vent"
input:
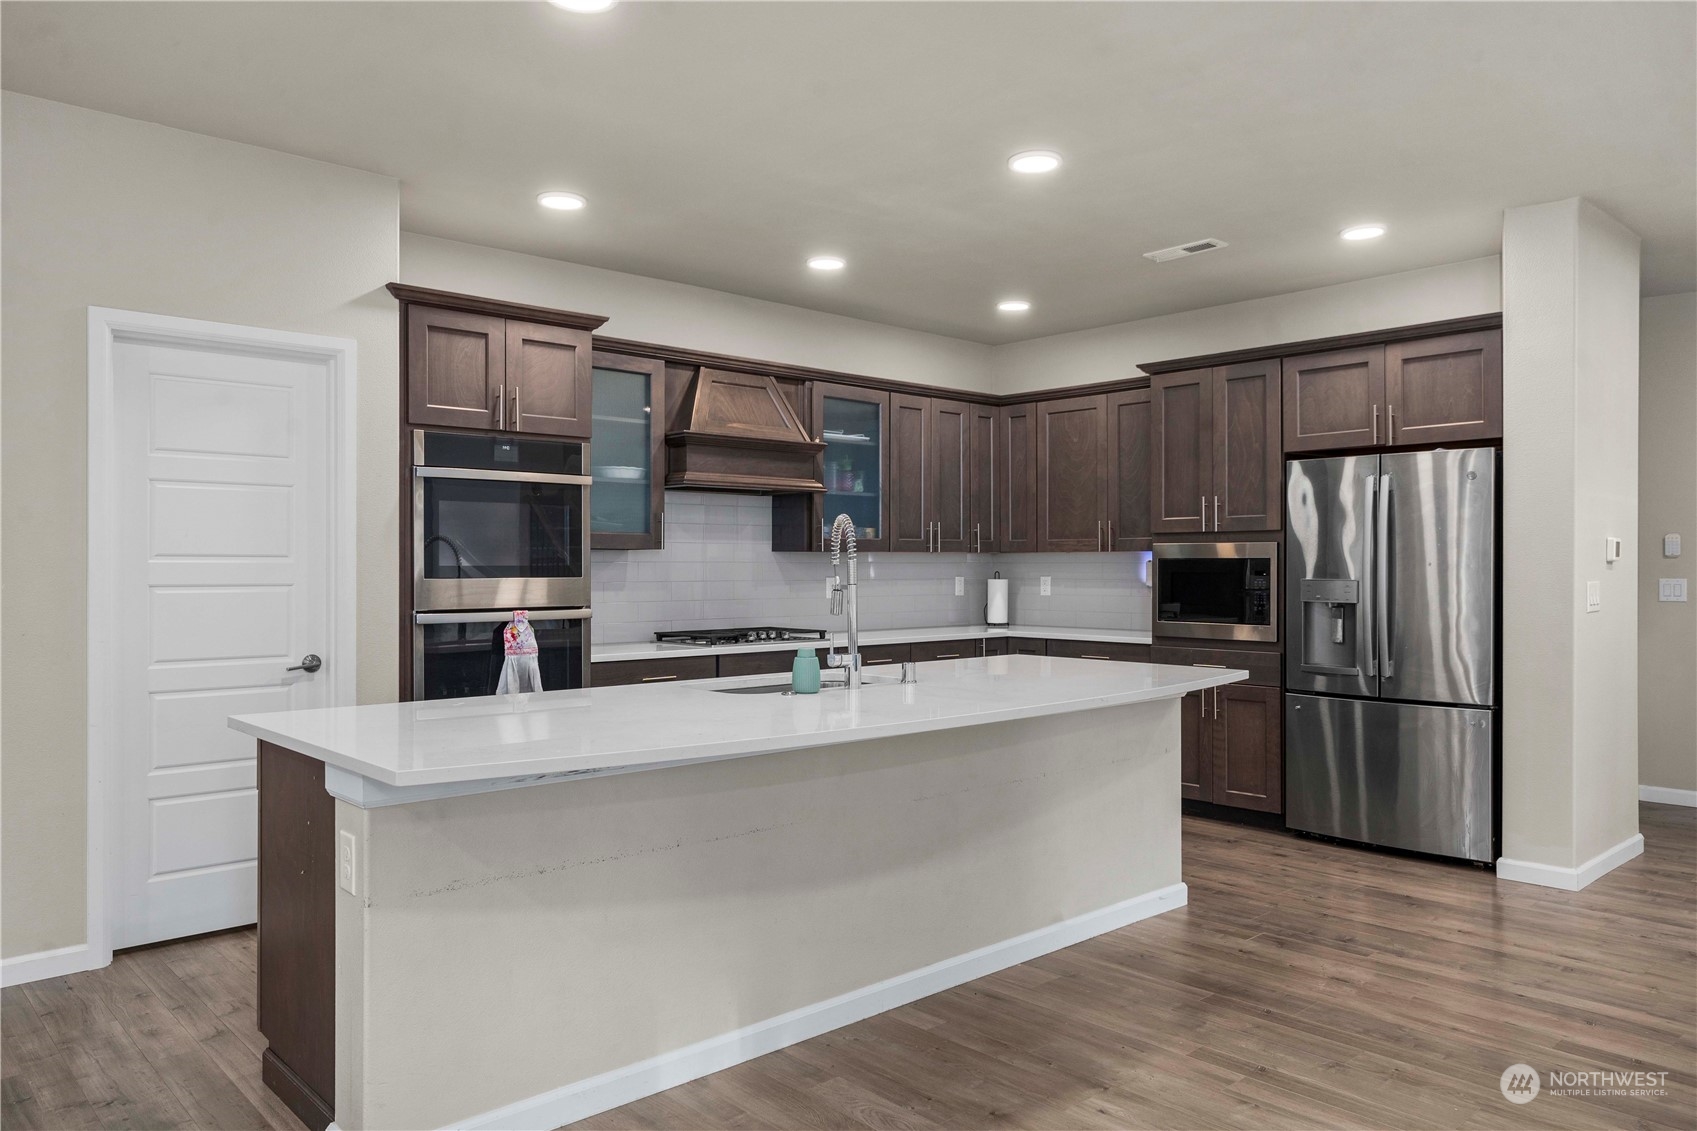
column 1183, row 249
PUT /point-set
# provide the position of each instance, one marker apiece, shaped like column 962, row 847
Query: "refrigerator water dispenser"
column 1330, row 624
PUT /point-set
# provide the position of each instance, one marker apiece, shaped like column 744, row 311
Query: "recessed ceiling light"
column 1013, row 306
column 1035, row 161
column 561, row 201
column 586, row 7
column 1363, row 232
column 827, row 263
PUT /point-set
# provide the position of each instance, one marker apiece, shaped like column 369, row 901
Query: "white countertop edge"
column 654, row 650
column 520, row 771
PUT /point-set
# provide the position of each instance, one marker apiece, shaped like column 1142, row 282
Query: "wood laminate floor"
column 1306, row 985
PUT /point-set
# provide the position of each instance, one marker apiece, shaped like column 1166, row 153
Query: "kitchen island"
column 519, row 911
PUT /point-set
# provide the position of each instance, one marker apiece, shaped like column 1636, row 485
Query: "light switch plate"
column 1670, row 589
column 345, row 861
column 1670, row 545
column 1043, row 586
column 1593, row 596
column 960, row 587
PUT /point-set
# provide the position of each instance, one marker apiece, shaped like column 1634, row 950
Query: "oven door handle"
column 499, row 617
column 501, row 476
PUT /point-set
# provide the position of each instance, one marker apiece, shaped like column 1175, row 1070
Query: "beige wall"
column 675, row 314
column 1667, row 504
column 564, row 931
column 1110, row 352
column 1570, row 392
column 105, row 211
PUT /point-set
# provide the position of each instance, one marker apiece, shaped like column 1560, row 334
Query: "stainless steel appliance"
column 1390, row 659
column 459, row 654
column 1217, row 590
column 499, row 522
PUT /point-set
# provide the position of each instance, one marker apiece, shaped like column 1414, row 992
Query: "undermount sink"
column 784, row 688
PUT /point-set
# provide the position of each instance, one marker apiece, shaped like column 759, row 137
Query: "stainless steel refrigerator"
column 1390, row 649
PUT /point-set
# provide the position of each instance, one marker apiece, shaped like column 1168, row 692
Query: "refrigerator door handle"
column 1382, row 602
column 1370, row 607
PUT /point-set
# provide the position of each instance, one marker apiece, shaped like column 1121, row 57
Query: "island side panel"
column 297, row 933
column 510, row 944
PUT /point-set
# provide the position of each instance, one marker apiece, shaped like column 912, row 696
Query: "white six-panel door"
column 224, row 531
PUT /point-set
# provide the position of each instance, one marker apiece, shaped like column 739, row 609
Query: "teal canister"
column 804, row 673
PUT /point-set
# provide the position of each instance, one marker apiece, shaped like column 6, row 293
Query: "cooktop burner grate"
column 713, row 637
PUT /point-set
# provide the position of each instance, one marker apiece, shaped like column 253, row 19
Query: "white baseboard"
column 644, row 1078
column 1661, row 795
column 1572, row 879
column 49, row 964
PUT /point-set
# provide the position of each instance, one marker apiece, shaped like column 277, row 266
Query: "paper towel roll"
column 996, row 611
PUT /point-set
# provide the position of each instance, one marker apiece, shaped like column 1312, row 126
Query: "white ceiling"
column 722, row 143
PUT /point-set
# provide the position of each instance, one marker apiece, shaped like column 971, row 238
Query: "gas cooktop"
column 713, row 637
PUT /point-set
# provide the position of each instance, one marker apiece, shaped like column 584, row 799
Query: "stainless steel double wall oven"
column 499, row 523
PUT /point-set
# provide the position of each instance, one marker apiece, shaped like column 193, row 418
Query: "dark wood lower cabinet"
column 1025, row 646
column 1100, row 650
column 665, row 670
column 762, row 663
column 995, row 646
column 1248, row 747
column 297, row 933
column 1196, row 754
column 926, row 650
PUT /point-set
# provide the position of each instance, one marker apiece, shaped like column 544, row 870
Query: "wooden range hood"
column 737, row 432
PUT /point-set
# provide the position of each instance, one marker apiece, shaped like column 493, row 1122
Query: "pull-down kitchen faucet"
column 843, row 600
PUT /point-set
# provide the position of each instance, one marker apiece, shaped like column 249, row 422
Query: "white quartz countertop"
column 649, row 649
column 607, row 729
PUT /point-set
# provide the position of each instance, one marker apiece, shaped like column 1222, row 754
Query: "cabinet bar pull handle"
column 1204, row 513
column 885, row 660
column 1088, row 656
column 515, row 406
column 948, row 655
column 1390, row 424
column 1375, row 425
column 1216, row 514
column 500, row 407
column 1110, row 535
column 657, row 678
column 1216, row 703
column 1098, row 536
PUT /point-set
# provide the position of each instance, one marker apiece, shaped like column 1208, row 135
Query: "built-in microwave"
column 499, row 522
column 1217, row 590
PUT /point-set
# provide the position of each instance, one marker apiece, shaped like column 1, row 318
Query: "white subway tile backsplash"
column 718, row 570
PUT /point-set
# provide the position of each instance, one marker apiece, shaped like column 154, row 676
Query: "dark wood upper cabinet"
column 1440, row 390
column 457, row 368
column 1129, row 433
column 484, row 364
column 1072, row 467
column 1216, row 460
column 629, row 416
column 1444, row 390
column 1016, row 472
column 549, row 380
column 1181, row 445
column 1334, row 400
column 1247, row 747
column 950, row 462
column 910, row 473
column 1248, row 457
column 981, row 478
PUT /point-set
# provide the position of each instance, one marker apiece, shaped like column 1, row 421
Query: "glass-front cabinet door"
column 854, row 425
column 627, row 500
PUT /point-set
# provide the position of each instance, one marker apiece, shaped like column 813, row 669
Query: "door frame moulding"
column 108, row 328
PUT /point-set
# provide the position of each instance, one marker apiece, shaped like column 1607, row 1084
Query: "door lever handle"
column 309, row 664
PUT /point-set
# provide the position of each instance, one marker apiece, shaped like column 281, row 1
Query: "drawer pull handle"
column 948, row 655
column 1207, row 665
column 1088, row 656
column 886, row 660
column 657, row 678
